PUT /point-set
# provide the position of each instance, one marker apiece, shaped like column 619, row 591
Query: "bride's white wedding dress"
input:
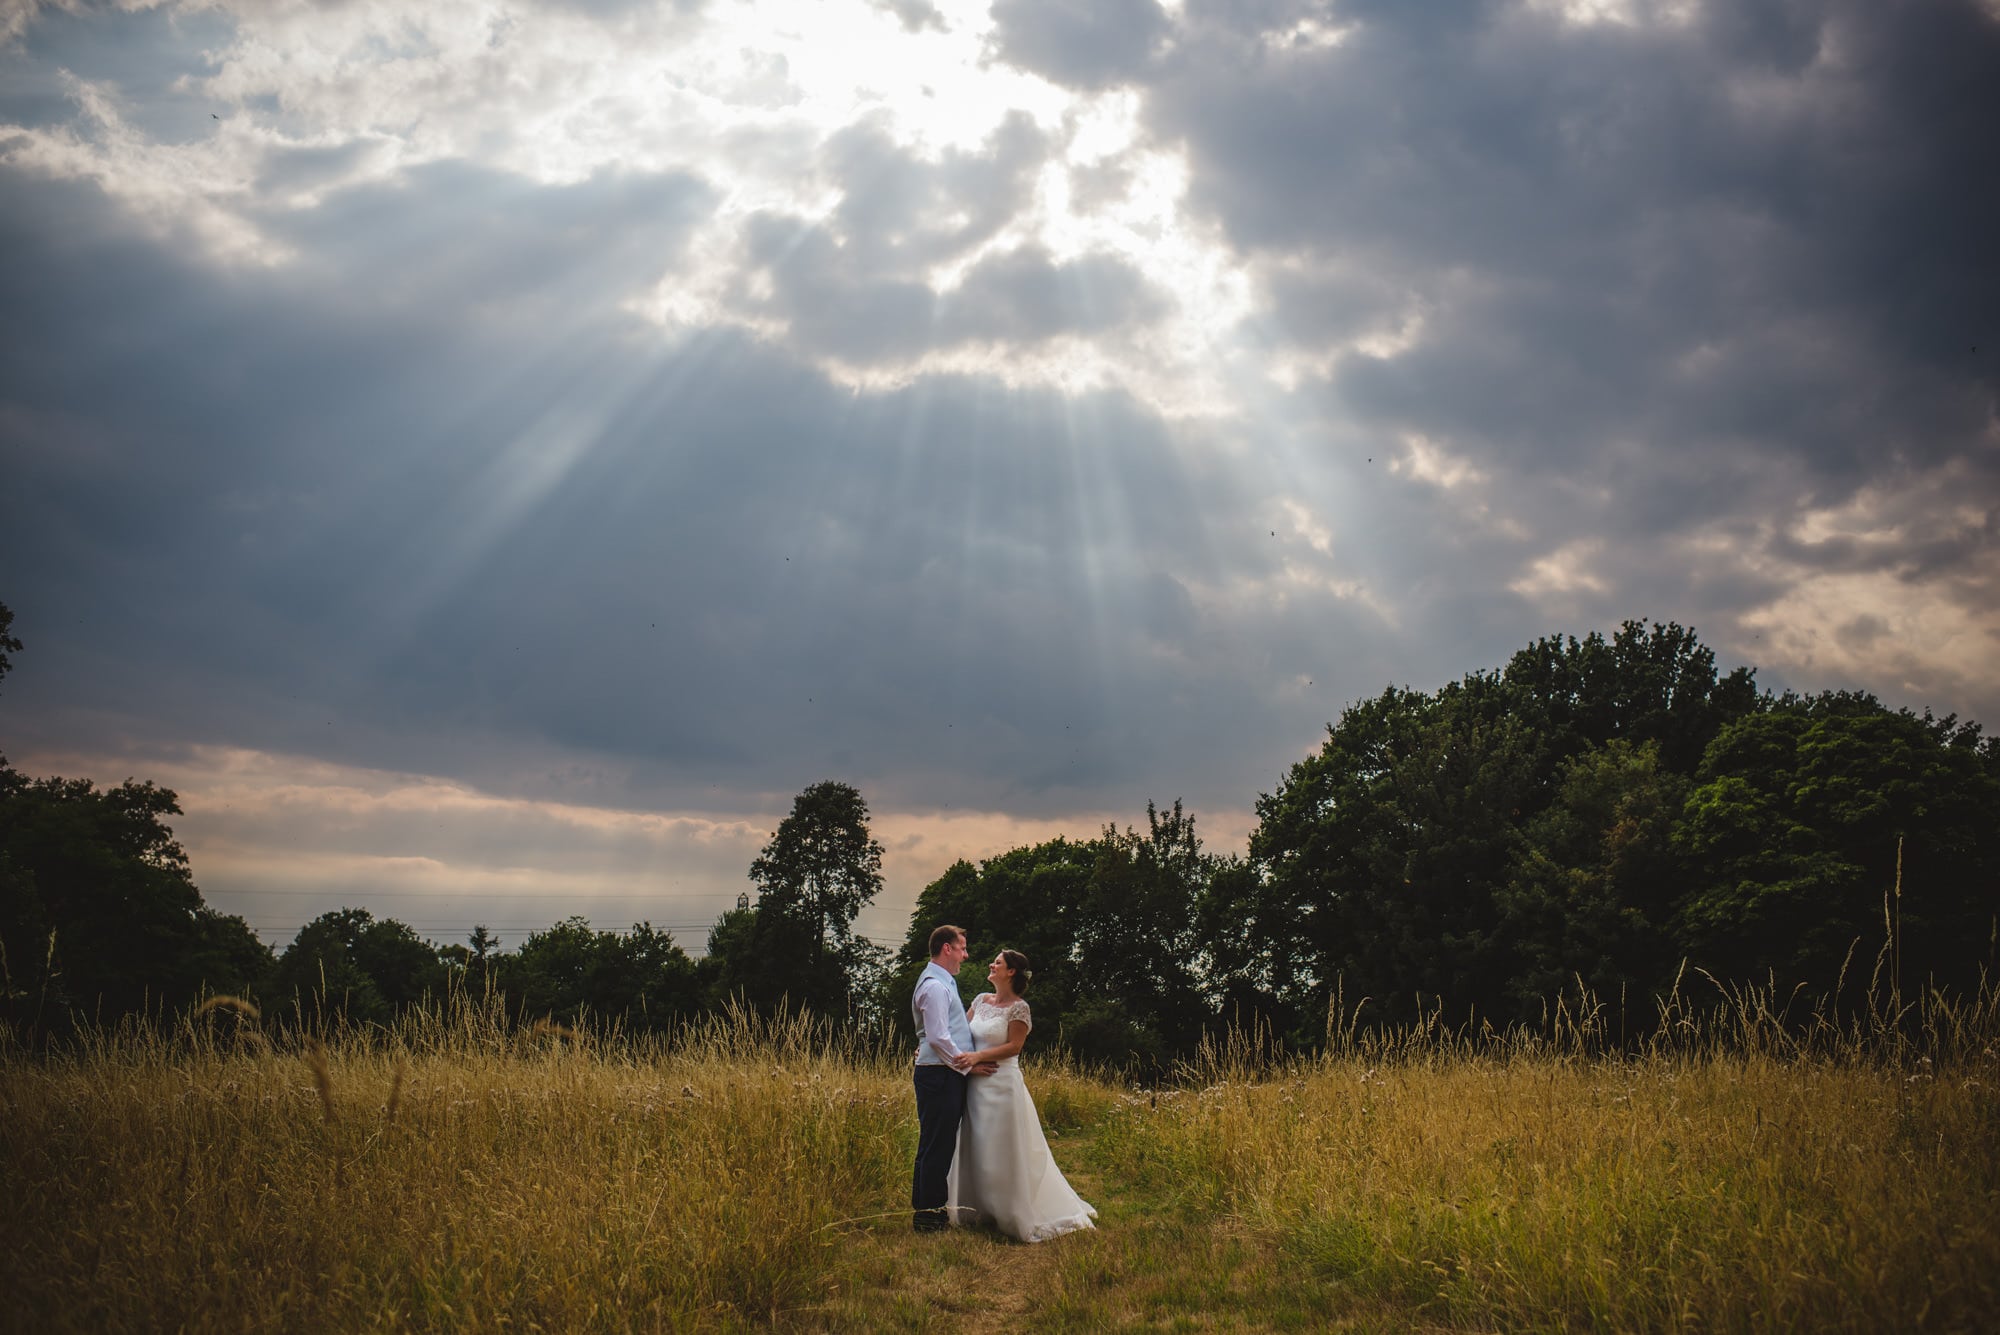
column 1003, row 1173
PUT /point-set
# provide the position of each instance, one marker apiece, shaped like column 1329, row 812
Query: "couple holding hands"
column 981, row 1155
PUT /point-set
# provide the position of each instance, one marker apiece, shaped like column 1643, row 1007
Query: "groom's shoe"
column 929, row 1221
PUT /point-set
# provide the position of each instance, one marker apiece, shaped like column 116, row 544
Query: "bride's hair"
column 1022, row 973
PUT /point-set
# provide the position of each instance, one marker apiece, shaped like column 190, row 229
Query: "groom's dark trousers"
column 940, row 1108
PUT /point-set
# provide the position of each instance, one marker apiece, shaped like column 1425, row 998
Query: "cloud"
column 1645, row 280
column 659, row 409
column 1085, row 44
column 562, row 554
column 473, row 241
column 1020, row 296
column 913, row 260
column 914, row 15
column 901, row 212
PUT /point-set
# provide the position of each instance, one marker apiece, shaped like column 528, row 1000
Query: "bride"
column 1003, row 1173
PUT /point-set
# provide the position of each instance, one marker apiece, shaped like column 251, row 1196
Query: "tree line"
column 1601, row 813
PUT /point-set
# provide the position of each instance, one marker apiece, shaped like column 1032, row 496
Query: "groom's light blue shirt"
column 942, row 1031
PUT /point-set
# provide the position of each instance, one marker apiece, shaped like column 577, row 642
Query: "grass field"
column 1734, row 1175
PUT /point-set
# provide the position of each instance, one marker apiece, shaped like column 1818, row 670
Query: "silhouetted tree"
column 8, row 644
column 796, row 946
column 1648, row 683
column 98, row 911
column 821, row 867
column 349, row 964
column 639, row 978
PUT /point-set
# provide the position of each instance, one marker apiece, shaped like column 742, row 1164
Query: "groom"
column 944, row 1049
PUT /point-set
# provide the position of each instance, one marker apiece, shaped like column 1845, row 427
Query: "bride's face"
column 998, row 972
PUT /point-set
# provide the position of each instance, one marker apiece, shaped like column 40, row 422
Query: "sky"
column 489, row 457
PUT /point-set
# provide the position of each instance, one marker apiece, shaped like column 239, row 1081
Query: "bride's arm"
column 1017, row 1038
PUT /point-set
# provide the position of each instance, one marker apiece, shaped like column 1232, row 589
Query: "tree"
column 1488, row 843
column 821, row 867
column 347, row 964
column 1378, row 860
column 1647, row 683
column 797, row 945
column 1024, row 899
column 639, row 978
column 1110, row 926
column 1795, row 826
column 1245, row 949
column 1136, row 943
column 1591, row 894
column 96, row 899
column 8, row 644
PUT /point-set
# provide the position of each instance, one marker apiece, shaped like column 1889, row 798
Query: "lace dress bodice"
column 989, row 1021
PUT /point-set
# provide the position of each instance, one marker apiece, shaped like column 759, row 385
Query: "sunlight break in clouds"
column 744, row 95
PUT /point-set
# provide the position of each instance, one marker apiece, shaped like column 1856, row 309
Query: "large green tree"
column 348, row 964
column 1493, row 840
column 1647, row 683
column 1380, row 857
column 98, row 911
column 1794, row 828
column 1111, row 926
column 796, row 947
column 1590, row 893
column 639, row 978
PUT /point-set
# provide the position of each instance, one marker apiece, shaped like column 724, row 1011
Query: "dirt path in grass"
column 909, row 1281
column 1149, row 1265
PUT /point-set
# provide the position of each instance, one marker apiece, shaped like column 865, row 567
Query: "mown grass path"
column 905, row 1281
column 1152, row 1264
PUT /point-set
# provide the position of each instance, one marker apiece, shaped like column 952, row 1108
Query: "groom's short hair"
column 944, row 936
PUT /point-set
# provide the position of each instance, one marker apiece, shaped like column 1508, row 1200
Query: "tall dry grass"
column 1742, row 1169
column 444, row 1174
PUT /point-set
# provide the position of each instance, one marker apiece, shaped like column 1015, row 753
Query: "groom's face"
column 953, row 955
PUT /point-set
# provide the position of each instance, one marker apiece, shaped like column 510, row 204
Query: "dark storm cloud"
column 899, row 211
column 1649, row 276
column 857, row 287
column 370, row 521
column 426, row 495
column 450, row 236
column 1081, row 44
column 1582, row 209
column 1020, row 296
column 144, row 53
